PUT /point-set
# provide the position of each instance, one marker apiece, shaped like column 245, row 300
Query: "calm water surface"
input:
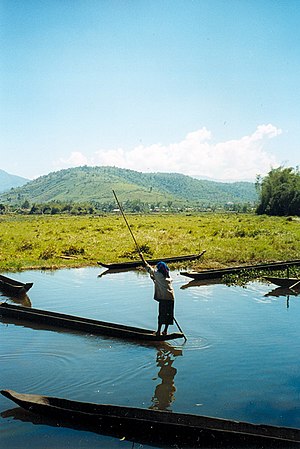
column 241, row 359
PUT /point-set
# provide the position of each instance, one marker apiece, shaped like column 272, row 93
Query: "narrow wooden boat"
column 12, row 287
column 138, row 263
column 167, row 427
column 284, row 282
column 79, row 324
column 219, row 273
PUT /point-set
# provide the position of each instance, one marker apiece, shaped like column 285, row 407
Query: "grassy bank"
column 65, row 241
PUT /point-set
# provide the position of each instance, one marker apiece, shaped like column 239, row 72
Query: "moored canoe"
column 167, row 427
column 284, row 282
column 80, row 324
column 138, row 263
column 13, row 287
column 219, row 273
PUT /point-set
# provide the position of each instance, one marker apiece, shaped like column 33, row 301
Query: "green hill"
column 95, row 184
column 7, row 181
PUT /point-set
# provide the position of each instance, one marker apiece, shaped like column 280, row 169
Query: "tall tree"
column 279, row 192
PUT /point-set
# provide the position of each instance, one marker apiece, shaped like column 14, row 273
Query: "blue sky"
column 207, row 88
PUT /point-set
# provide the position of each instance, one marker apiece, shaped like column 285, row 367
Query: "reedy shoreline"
column 53, row 242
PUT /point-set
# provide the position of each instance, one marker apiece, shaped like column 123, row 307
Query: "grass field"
column 46, row 242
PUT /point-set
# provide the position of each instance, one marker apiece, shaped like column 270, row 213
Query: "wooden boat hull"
column 138, row 263
column 13, row 287
column 218, row 274
column 85, row 325
column 283, row 282
column 167, row 427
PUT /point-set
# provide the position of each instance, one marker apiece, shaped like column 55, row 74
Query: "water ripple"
column 197, row 344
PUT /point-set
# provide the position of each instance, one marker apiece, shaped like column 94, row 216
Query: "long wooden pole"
column 122, row 212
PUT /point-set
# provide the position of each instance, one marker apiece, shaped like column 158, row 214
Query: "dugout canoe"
column 153, row 425
column 284, row 282
column 13, row 287
column 219, row 273
column 138, row 263
column 79, row 324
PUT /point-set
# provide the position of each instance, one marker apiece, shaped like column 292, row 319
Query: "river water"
column 240, row 360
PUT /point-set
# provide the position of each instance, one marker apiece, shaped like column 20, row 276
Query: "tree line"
column 279, row 192
column 136, row 206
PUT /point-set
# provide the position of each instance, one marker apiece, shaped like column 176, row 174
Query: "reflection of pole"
column 164, row 392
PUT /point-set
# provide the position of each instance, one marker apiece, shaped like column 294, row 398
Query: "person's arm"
column 147, row 266
column 143, row 259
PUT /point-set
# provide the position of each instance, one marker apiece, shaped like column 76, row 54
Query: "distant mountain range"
column 7, row 181
column 95, row 184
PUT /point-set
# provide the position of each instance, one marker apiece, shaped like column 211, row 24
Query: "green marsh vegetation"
column 49, row 242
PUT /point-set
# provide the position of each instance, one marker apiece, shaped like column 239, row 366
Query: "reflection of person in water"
column 164, row 392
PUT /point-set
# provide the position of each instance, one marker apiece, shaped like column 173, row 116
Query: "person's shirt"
column 163, row 289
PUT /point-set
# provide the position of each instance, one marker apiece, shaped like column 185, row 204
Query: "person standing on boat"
column 163, row 293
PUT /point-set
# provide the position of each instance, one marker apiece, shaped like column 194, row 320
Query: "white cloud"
column 76, row 159
column 266, row 131
column 195, row 155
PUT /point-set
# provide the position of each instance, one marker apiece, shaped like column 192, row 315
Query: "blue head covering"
column 163, row 268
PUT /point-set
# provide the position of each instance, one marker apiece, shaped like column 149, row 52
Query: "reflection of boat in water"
column 155, row 425
column 203, row 282
column 283, row 291
column 13, row 287
column 82, row 324
column 113, row 271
